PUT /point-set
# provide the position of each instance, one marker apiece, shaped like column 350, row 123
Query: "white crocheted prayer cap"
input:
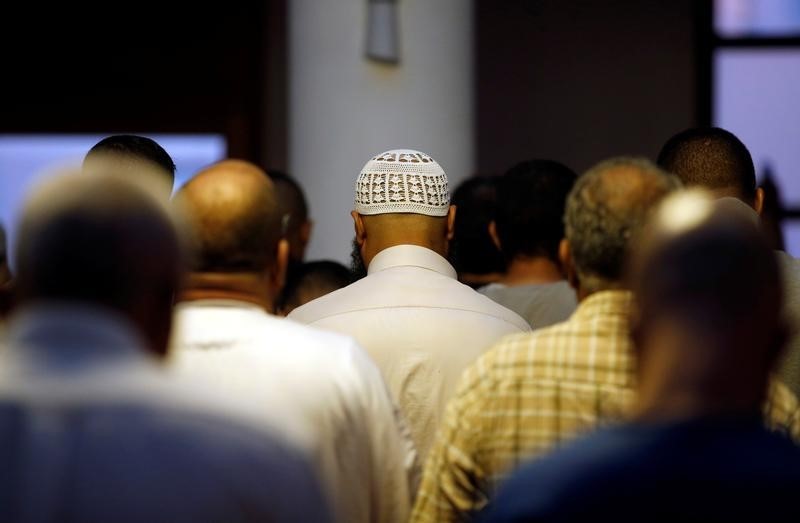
column 402, row 181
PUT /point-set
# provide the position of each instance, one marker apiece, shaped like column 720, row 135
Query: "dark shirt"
column 700, row 470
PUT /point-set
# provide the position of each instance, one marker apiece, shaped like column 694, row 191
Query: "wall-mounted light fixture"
column 382, row 32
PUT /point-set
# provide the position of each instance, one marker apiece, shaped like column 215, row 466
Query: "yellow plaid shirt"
column 535, row 391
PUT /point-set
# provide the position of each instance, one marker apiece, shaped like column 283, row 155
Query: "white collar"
column 411, row 256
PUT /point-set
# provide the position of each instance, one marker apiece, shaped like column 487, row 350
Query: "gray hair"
column 605, row 208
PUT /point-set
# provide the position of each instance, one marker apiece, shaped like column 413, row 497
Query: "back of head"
column 712, row 158
column 605, row 208
column 707, row 263
column 473, row 250
column 708, row 291
column 402, row 197
column 291, row 199
column 232, row 217
column 313, row 280
column 531, row 197
column 293, row 208
column 102, row 241
column 117, row 152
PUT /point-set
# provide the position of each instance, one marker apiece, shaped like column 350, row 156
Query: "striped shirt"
column 532, row 392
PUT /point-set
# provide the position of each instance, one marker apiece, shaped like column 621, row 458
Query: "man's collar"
column 609, row 302
column 411, row 256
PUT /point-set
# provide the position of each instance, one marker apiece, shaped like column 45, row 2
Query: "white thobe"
column 305, row 376
column 420, row 325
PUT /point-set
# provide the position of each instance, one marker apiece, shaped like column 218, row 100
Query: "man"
column 527, row 228
column 410, row 313
column 132, row 155
column 92, row 428
column 313, row 280
column 474, row 255
column 300, row 376
column 716, row 160
column 533, row 391
column 293, row 208
column 295, row 224
column 708, row 333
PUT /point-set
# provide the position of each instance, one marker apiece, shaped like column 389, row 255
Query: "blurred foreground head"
column 234, row 226
column 105, row 241
column 132, row 155
column 605, row 208
column 709, row 293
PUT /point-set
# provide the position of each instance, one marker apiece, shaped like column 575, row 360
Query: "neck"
column 247, row 287
column 380, row 245
column 585, row 288
column 532, row 270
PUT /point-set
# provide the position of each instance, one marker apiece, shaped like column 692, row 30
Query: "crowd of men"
column 623, row 344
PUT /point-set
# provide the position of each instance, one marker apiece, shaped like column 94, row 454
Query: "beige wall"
column 344, row 108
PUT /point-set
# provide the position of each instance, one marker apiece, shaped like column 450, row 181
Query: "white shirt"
column 320, row 379
column 92, row 429
column 420, row 325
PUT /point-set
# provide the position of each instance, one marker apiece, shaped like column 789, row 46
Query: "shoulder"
column 569, row 476
column 337, row 302
column 529, row 344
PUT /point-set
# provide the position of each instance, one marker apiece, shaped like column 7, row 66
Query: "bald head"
column 231, row 210
column 709, row 298
column 605, row 208
column 711, row 158
column 103, row 241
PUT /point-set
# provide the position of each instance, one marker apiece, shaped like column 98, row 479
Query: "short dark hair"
column 314, row 279
column 530, row 208
column 710, row 157
column 605, row 209
column 291, row 200
column 472, row 249
column 135, row 146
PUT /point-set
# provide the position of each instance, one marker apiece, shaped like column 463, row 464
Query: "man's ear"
column 493, row 235
column 360, row 229
column 567, row 265
column 277, row 274
column 758, row 202
column 451, row 222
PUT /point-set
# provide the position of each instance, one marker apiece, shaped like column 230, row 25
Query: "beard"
column 357, row 268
